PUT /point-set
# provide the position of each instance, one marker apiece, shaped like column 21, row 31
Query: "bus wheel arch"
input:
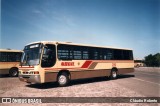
column 13, row 72
column 63, row 77
column 113, row 73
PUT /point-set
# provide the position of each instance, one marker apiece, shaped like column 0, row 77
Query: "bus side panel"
column 13, row 64
column 125, row 70
column 4, row 68
column 50, row 76
column 4, row 71
column 89, row 74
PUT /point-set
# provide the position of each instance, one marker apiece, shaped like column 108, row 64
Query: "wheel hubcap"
column 14, row 73
column 62, row 79
column 114, row 74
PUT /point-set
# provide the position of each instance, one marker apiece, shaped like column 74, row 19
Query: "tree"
column 157, row 59
column 153, row 60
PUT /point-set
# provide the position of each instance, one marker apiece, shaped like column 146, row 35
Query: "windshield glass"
column 31, row 55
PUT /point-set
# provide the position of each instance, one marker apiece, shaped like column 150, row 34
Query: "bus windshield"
column 31, row 55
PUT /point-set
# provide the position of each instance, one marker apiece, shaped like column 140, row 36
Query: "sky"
column 133, row 24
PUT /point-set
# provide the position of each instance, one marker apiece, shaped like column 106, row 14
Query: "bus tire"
column 63, row 79
column 13, row 72
column 113, row 74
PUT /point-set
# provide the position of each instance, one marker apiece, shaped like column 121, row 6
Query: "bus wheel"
column 63, row 79
column 137, row 66
column 113, row 74
column 13, row 72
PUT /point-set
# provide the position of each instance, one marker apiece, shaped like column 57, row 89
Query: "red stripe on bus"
column 86, row 64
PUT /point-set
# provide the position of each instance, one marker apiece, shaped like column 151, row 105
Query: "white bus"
column 48, row 61
column 9, row 61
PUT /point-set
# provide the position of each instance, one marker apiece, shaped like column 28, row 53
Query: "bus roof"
column 70, row 43
column 10, row 50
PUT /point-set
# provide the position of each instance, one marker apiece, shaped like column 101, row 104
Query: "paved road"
column 143, row 82
column 146, row 83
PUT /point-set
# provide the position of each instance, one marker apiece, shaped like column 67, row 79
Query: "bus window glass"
column 108, row 54
column 31, row 55
column 64, row 52
column 85, row 55
column 3, row 57
column 118, row 54
column 49, row 56
column 77, row 55
column 127, row 55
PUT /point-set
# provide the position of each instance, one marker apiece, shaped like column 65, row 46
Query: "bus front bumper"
column 30, row 78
